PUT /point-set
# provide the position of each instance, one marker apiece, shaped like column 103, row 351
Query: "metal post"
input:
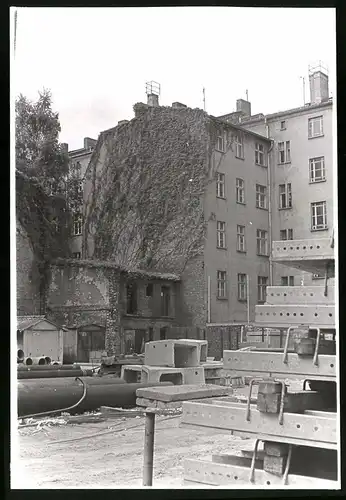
column 248, row 298
column 149, row 434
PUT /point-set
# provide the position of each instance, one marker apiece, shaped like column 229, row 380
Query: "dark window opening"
column 151, row 334
column 150, row 289
column 163, row 333
column 131, row 294
column 165, row 300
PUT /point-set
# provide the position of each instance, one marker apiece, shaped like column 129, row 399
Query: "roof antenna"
column 204, row 98
column 302, row 78
column 247, row 95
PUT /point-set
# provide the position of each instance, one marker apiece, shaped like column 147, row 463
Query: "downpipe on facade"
column 269, row 205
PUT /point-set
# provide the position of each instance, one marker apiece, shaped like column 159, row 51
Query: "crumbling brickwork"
column 222, row 338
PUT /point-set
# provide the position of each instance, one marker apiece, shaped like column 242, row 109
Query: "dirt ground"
column 114, row 459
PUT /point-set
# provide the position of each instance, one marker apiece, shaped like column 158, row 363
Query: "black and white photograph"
column 174, row 235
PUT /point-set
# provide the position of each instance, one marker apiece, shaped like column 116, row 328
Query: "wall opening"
column 131, row 298
column 175, row 378
column 185, row 356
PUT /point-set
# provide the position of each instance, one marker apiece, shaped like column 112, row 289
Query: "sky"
column 96, row 61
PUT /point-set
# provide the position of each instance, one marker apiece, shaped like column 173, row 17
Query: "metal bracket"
column 253, row 461
column 318, row 336
column 285, row 360
column 251, row 384
column 288, row 463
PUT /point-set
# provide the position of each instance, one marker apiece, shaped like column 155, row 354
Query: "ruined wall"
column 28, row 281
column 221, row 338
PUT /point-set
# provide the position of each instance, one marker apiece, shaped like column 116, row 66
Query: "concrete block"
column 179, row 353
column 153, row 403
column 275, row 449
column 270, row 387
column 182, row 392
column 131, row 373
column 274, row 465
column 179, row 376
column 268, row 403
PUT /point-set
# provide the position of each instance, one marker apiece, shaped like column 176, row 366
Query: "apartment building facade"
column 236, row 254
column 301, row 171
column 79, row 161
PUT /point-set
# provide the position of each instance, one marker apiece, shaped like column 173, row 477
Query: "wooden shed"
column 38, row 336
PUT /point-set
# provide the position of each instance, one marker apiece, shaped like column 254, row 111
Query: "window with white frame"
column 286, row 234
column 220, row 144
column 262, row 282
column 241, row 238
column 221, row 234
column 240, row 191
column 315, row 126
column 259, row 154
column 261, row 196
column 284, row 150
column 239, row 147
column 77, row 224
column 262, row 242
column 221, row 284
column 318, row 215
column 242, row 285
column 287, row 280
column 317, row 169
column 285, row 195
column 220, row 185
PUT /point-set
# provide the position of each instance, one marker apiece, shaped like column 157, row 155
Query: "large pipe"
column 48, row 367
column 39, row 360
column 56, row 383
column 53, row 373
column 36, row 400
column 20, row 355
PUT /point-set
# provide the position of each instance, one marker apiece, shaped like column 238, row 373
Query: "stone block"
column 275, row 449
column 274, row 465
column 179, row 376
column 270, row 387
column 182, row 392
column 268, row 403
column 174, row 353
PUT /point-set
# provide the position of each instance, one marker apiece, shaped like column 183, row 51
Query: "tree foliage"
column 45, row 186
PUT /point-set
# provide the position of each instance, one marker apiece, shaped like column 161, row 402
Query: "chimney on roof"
column 153, row 100
column 244, row 107
column 178, row 105
column 64, row 147
column 89, row 143
column 319, row 88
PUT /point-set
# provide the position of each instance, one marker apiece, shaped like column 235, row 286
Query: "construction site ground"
column 115, row 459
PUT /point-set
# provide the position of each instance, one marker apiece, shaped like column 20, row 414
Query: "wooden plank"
column 272, row 362
column 304, row 428
column 206, row 472
column 319, row 315
column 280, row 295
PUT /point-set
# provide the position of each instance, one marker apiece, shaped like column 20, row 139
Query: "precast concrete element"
column 178, row 376
column 175, row 353
column 183, row 392
column 314, row 295
column 131, row 373
column 322, row 316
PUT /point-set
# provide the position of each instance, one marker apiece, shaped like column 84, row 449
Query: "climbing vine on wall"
column 146, row 208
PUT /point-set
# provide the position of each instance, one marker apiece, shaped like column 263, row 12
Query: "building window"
column 240, row 191
column 261, row 196
column 149, row 290
column 242, row 292
column 286, row 234
column 165, row 300
column 220, row 145
column 318, row 215
column 131, row 296
column 287, row 280
column 317, row 169
column 77, row 224
column 221, row 234
column 220, row 185
column 285, row 195
column 284, row 149
column 221, row 284
column 76, row 255
column 315, row 126
column 283, row 125
column 239, row 149
column 262, row 283
column 259, row 154
column 262, row 242
column 241, row 239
